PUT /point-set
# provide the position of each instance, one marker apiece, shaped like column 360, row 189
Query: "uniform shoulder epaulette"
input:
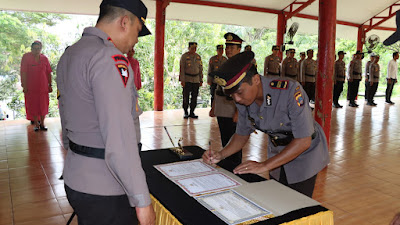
column 279, row 84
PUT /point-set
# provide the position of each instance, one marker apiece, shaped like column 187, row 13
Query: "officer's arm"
column 266, row 66
column 182, row 70
column 236, row 143
column 283, row 68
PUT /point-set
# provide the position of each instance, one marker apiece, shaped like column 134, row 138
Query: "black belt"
column 376, row 77
column 272, row 73
column 192, row 75
column 91, row 152
column 309, row 75
column 355, row 73
column 289, row 75
column 278, row 138
column 340, row 76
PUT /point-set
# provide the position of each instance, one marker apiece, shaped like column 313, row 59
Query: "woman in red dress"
column 36, row 84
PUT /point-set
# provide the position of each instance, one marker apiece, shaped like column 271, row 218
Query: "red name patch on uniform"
column 123, row 72
column 120, row 58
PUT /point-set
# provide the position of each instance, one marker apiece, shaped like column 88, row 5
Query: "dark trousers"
column 213, row 86
column 227, row 128
column 389, row 89
column 353, row 89
column 372, row 91
column 191, row 89
column 101, row 210
column 309, row 88
column 305, row 187
column 337, row 90
column 366, row 89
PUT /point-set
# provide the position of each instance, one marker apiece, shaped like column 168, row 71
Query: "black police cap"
column 220, row 47
column 192, row 43
column 230, row 75
column 134, row 6
column 341, row 53
column 232, row 38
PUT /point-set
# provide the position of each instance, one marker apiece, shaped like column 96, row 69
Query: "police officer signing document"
column 297, row 148
column 104, row 179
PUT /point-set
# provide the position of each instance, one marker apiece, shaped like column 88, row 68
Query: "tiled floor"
column 361, row 184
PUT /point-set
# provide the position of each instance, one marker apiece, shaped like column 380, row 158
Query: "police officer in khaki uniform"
column 308, row 73
column 290, row 66
column 103, row 175
column 339, row 79
column 302, row 58
column 374, row 73
column 297, row 148
column 354, row 78
column 272, row 63
column 191, row 78
column 224, row 107
column 367, row 67
column 215, row 62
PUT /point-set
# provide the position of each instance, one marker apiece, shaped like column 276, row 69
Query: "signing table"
column 175, row 207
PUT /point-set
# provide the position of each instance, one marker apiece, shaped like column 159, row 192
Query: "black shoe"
column 36, row 129
column 185, row 116
column 390, row 102
column 32, row 122
column 371, row 104
column 43, row 128
column 192, row 115
column 337, row 105
column 353, row 105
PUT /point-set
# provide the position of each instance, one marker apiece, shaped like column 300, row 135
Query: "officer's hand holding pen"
column 212, row 157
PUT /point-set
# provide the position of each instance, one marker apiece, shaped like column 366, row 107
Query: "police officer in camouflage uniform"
column 272, row 63
column 338, row 79
column 215, row 62
column 354, row 78
column 297, row 148
column 374, row 73
column 191, row 78
column 308, row 73
column 290, row 66
column 103, row 175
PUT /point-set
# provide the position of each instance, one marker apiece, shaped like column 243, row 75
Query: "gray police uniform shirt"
column 213, row 65
column 340, row 71
column 367, row 66
column 354, row 69
column 272, row 64
column 308, row 70
column 191, row 68
column 98, row 98
column 286, row 109
column 289, row 68
column 374, row 72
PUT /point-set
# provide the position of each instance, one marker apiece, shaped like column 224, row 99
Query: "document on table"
column 186, row 168
column 206, row 183
column 233, row 208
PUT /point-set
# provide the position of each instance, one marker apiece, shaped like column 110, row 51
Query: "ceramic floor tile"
column 36, row 211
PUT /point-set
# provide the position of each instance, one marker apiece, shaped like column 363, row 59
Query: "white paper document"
column 206, row 183
column 186, row 168
column 232, row 207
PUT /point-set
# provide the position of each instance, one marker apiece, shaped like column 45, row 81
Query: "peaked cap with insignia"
column 232, row 39
column 230, row 75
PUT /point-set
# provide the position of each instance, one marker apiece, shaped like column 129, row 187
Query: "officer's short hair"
column 275, row 46
column 192, row 43
column 395, row 53
column 250, row 74
column 36, row 43
column 109, row 13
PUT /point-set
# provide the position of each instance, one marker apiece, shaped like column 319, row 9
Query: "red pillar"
column 280, row 31
column 159, row 56
column 360, row 38
column 326, row 60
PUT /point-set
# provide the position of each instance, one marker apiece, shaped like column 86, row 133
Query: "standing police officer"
column 338, row 79
column 374, row 72
column 297, row 148
column 191, row 78
column 215, row 62
column 224, row 107
column 308, row 72
column 367, row 66
column 103, row 175
column 290, row 66
column 354, row 78
column 391, row 77
column 272, row 63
